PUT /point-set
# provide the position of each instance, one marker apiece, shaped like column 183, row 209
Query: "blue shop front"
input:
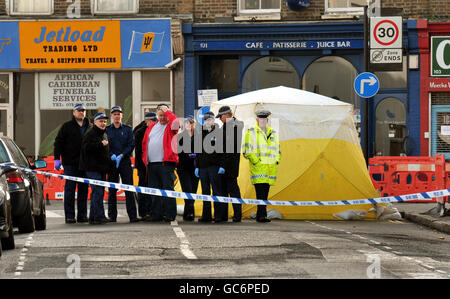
column 322, row 57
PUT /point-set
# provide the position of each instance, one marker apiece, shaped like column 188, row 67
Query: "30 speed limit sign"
column 386, row 32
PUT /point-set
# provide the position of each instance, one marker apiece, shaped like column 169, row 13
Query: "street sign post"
column 366, row 85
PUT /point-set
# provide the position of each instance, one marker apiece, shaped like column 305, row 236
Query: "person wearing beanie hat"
column 144, row 200
column 66, row 151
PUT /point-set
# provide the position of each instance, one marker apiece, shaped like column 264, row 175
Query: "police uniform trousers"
column 262, row 192
column 126, row 174
column 209, row 178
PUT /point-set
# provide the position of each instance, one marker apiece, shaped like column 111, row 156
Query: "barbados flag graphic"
column 149, row 42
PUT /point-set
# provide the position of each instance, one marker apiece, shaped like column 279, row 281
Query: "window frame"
column 343, row 11
column 270, row 11
column 95, row 11
column 13, row 13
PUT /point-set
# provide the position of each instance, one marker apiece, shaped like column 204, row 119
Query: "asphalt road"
column 177, row 250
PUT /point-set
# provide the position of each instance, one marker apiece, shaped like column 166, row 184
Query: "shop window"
column 390, row 128
column 115, row 6
column 124, row 95
column 270, row 72
column 332, row 76
column 102, row 91
column 259, row 6
column 344, row 7
column 31, row 7
column 394, row 79
column 24, row 112
column 222, row 73
column 156, row 86
column 4, row 88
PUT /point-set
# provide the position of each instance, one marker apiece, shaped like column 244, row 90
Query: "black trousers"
column 262, row 192
column 189, row 184
column 162, row 176
column 209, row 179
column 230, row 188
column 144, row 200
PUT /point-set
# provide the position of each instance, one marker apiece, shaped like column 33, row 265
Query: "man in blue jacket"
column 121, row 145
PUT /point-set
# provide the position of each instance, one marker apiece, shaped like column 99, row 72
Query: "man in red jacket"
column 159, row 153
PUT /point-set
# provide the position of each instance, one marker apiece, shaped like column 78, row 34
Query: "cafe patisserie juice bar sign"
column 80, row 44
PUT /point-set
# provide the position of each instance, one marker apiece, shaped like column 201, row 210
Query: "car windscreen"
column 3, row 154
column 18, row 157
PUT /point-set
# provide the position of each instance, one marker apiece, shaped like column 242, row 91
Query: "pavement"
column 417, row 213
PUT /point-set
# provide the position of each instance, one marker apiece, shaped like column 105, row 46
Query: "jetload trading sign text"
column 83, row 44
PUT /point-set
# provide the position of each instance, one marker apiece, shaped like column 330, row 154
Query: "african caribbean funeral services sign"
column 64, row 90
column 80, row 44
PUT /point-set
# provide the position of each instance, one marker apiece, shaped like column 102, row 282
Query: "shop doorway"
column 390, row 128
column 6, row 105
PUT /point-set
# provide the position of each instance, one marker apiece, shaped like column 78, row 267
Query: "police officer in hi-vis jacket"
column 262, row 149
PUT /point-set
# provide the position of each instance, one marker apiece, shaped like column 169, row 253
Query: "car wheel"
column 8, row 243
column 40, row 222
column 26, row 222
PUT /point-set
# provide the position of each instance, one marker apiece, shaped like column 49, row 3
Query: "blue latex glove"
column 196, row 173
column 57, row 164
column 118, row 158
column 113, row 157
column 221, row 170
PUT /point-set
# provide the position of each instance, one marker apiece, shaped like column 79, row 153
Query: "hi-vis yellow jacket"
column 263, row 152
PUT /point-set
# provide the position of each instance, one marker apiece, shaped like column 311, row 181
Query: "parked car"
column 6, row 224
column 26, row 190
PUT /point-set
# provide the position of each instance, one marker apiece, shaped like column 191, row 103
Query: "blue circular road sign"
column 366, row 85
column 200, row 112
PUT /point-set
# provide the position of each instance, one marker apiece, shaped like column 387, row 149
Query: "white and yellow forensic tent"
column 321, row 157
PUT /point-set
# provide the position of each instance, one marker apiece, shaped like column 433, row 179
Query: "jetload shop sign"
column 62, row 91
column 85, row 44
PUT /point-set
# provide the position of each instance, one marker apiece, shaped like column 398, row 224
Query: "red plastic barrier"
column 393, row 176
column 54, row 187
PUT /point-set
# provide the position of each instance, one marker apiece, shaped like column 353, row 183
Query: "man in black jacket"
column 96, row 161
column 232, row 139
column 67, row 148
column 208, row 167
column 144, row 200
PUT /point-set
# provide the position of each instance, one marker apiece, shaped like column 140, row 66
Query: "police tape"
column 212, row 198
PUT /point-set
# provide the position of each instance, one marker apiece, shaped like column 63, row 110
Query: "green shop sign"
column 440, row 56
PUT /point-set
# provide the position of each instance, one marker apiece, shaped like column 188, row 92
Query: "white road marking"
column 389, row 255
column 23, row 255
column 184, row 246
